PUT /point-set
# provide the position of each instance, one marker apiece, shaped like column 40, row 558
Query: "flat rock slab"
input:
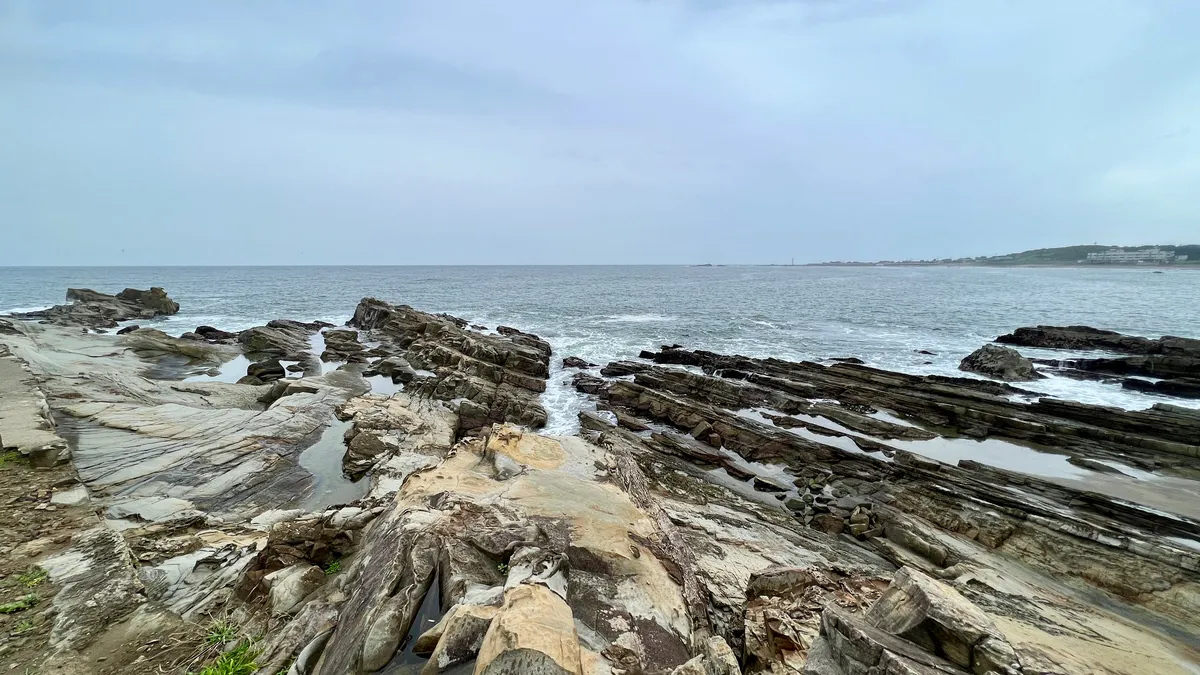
column 24, row 415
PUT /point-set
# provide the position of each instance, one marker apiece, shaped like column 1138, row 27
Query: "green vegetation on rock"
column 237, row 661
column 21, row 604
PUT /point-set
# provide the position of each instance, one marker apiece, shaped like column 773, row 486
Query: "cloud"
column 616, row 131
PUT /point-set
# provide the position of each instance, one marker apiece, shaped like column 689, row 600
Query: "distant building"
column 1119, row 256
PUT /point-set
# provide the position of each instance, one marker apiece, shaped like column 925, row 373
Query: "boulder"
column 937, row 618
column 576, row 362
column 153, row 343
column 277, row 339
column 291, row 585
column 215, row 335
column 461, row 636
column 1000, row 363
column 128, row 329
column 342, row 345
column 397, row 368
column 155, row 300
column 267, row 370
column 620, row 368
column 533, row 634
column 588, row 384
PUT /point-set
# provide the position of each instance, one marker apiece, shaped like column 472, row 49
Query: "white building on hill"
column 1119, row 256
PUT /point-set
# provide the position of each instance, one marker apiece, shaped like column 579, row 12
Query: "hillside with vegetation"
column 1063, row 255
column 1073, row 254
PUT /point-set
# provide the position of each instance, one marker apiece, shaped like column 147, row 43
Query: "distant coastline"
column 1148, row 256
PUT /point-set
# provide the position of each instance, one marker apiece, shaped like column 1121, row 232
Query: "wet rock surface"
column 497, row 378
column 1173, row 362
column 1087, row 338
column 739, row 515
column 1000, row 363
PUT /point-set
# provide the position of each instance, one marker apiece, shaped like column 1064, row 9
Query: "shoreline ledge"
column 715, row 514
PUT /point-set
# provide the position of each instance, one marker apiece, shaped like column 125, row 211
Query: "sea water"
column 882, row 315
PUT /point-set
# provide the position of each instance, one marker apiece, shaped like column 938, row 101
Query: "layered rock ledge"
column 94, row 309
column 1168, row 365
column 735, row 515
column 495, row 377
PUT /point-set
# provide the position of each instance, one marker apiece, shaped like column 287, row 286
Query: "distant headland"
column 1148, row 255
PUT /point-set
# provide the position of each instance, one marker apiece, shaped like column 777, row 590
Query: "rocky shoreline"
column 716, row 514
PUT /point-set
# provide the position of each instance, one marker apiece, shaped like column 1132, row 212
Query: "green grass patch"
column 502, row 568
column 221, row 631
column 10, row 457
column 32, row 577
column 237, row 661
column 333, row 568
column 23, row 627
column 20, row 605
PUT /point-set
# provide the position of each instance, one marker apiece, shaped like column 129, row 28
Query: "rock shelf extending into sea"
column 377, row 497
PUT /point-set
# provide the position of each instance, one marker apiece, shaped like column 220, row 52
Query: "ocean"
column 882, row 315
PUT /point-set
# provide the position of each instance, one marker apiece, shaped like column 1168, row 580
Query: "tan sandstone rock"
column 534, row 634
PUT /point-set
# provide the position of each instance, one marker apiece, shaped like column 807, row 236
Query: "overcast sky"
column 605, row 131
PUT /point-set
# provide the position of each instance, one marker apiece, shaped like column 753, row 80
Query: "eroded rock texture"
column 1172, row 362
column 94, row 309
column 495, row 377
column 739, row 515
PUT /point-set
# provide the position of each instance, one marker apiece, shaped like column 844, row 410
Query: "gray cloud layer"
column 625, row 131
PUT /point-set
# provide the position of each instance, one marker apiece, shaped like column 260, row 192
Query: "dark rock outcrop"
column 215, row 335
column 1158, row 366
column 266, row 371
column 1184, row 387
column 1000, row 363
column 395, row 367
column 1087, row 338
column 621, row 368
column 342, row 345
column 1175, row 360
column 576, row 362
column 588, row 384
column 280, row 338
column 90, row 308
column 496, row 377
column 153, row 343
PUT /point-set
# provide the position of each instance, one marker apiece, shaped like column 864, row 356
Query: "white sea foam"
column 24, row 310
column 635, row 318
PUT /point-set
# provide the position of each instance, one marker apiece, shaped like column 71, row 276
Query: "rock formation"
column 1087, row 338
column 1000, row 363
column 741, row 515
column 279, row 338
column 495, row 378
column 1173, row 362
column 99, row 310
column 342, row 345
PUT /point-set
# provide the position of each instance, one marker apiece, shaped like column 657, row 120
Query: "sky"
column 592, row 131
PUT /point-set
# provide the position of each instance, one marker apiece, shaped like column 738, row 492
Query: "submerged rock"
column 1000, row 363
